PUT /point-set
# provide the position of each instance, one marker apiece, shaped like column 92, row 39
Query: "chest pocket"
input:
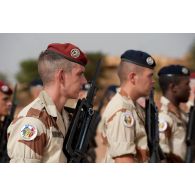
column 56, row 134
column 179, row 124
column 179, row 129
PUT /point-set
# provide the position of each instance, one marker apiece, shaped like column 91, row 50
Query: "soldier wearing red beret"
column 38, row 132
column 5, row 105
column 5, row 99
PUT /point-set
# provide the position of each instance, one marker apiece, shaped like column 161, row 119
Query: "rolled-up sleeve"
column 22, row 150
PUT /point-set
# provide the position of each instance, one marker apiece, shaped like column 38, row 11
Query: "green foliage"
column 29, row 68
column 3, row 77
column 91, row 65
column 28, row 71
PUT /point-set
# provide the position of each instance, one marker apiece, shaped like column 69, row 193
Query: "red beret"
column 192, row 75
column 70, row 52
column 4, row 88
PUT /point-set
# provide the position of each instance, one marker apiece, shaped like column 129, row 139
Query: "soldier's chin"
column 146, row 94
column 185, row 100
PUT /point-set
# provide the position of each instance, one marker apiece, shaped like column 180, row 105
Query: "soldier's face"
column 5, row 104
column 182, row 91
column 145, row 82
column 74, row 81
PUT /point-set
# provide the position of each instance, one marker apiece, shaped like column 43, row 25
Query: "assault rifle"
column 190, row 136
column 152, row 130
column 81, row 129
column 3, row 138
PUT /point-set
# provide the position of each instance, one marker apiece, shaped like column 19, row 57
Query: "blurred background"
column 19, row 53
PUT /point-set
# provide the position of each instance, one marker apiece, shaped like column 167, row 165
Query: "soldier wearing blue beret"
column 36, row 86
column 123, row 118
column 174, row 83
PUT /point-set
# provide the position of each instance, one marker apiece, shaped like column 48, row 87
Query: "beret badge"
column 75, row 53
column 5, row 88
column 185, row 70
column 149, row 61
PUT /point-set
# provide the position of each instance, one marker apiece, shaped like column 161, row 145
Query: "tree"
column 3, row 76
column 29, row 68
column 91, row 65
column 28, row 71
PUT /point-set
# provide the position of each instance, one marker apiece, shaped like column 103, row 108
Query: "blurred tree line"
column 3, row 77
column 29, row 68
column 29, row 71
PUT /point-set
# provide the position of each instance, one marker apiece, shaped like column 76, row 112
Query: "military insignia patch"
column 150, row 61
column 185, row 71
column 75, row 53
column 28, row 132
column 128, row 119
column 162, row 125
column 5, row 88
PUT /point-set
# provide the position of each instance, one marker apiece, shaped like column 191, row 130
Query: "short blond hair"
column 125, row 68
column 49, row 62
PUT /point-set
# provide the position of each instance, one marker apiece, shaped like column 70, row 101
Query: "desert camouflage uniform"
column 172, row 128
column 123, row 128
column 50, row 128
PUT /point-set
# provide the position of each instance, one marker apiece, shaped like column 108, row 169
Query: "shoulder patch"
column 128, row 119
column 28, row 132
column 162, row 125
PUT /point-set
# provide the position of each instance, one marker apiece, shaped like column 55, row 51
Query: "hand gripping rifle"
column 190, row 137
column 8, row 119
column 81, row 128
column 152, row 130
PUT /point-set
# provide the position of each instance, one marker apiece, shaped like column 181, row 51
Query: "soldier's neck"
column 57, row 99
column 172, row 99
column 129, row 94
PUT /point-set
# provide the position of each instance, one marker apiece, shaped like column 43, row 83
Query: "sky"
column 16, row 47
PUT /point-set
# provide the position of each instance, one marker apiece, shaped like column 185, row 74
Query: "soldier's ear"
column 132, row 77
column 60, row 76
column 173, row 87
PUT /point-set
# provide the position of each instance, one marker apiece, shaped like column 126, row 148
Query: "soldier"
column 191, row 99
column 37, row 134
column 5, row 100
column 36, row 86
column 5, row 105
column 174, row 83
column 123, row 118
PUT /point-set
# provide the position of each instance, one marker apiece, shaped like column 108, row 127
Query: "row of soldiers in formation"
column 38, row 132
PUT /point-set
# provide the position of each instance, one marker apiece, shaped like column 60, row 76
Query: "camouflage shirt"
column 123, row 128
column 38, row 132
column 172, row 129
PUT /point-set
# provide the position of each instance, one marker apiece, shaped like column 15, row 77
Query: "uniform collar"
column 48, row 103
column 127, row 99
column 171, row 108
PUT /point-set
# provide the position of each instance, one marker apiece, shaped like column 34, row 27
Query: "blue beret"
column 139, row 58
column 173, row 70
column 86, row 86
column 112, row 88
column 36, row 82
